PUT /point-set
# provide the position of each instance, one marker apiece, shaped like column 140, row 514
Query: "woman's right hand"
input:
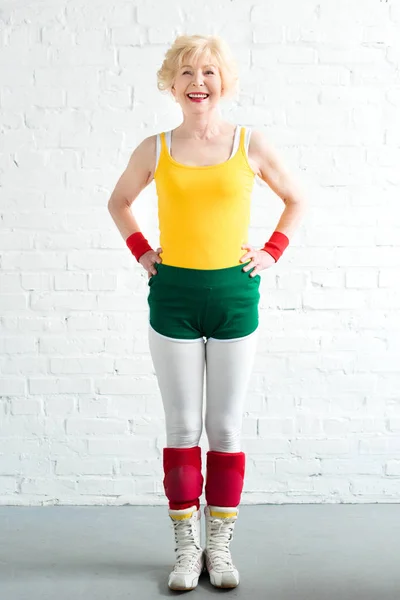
column 148, row 259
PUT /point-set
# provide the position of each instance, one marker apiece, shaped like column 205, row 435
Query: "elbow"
column 110, row 204
column 117, row 204
column 299, row 201
column 113, row 205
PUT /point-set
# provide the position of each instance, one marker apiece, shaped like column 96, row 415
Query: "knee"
column 224, row 439
column 184, row 428
column 183, row 437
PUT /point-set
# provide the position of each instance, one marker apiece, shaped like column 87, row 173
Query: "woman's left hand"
column 260, row 260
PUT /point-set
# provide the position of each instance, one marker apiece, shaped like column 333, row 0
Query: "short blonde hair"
column 193, row 47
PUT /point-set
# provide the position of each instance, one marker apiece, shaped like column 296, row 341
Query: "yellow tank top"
column 203, row 212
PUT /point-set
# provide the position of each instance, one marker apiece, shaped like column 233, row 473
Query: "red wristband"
column 276, row 245
column 138, row 244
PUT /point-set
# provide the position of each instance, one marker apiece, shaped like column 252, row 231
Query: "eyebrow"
column 210, row 65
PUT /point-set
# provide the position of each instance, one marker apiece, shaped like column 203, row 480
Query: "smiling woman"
column 203, row 299
column 186, row 52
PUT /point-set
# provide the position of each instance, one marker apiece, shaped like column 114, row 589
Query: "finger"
column 249, row 266
column 253, row 269
column 249, row 256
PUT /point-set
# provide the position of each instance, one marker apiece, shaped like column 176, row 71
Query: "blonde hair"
column 193, row 47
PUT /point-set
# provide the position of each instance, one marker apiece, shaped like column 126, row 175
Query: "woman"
column 203, row 291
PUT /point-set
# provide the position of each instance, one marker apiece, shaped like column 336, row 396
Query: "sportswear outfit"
column 201, row 291
column 203, row 315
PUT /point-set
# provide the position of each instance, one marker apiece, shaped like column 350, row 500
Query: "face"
column 203, row 77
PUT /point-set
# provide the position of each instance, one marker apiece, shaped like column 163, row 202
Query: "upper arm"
column 138, row 173
column 271, row 167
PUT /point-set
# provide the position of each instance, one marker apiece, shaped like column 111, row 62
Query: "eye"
column 212, row 72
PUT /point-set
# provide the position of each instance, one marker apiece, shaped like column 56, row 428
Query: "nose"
column 198, row 78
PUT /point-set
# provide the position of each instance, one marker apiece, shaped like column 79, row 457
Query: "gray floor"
column 296, row 552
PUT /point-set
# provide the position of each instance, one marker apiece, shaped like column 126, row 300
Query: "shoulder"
column 149, row 143
column 259, row 141
column 257, row 149
column 263, row 151
column 144, row 155
column 146, row 146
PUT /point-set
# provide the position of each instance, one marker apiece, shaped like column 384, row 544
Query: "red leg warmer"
column 225, row 477
column 183, row 481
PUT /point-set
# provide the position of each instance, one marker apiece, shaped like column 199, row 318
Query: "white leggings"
column 179, row 366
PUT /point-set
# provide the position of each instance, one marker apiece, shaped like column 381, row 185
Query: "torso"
column 204, row 153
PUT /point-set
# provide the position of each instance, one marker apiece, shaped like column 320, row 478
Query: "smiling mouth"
column 202, row 97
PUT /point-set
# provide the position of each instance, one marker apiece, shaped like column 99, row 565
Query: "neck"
column 201, row 126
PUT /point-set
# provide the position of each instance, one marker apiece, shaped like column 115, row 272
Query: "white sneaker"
column 189, row 554
column 220, row 522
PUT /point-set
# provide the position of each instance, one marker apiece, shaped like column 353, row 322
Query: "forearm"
column 124, row 220
column 291, row 218
column 287, row 225
column 129, row 229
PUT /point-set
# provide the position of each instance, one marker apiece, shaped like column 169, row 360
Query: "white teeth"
column 198, row 95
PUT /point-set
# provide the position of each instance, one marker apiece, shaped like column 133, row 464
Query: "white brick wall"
column 81, row 415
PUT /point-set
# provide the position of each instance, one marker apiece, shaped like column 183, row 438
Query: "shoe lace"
column 221, row 533
column 186, row 546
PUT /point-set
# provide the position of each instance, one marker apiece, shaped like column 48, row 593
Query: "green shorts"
column 193, row 303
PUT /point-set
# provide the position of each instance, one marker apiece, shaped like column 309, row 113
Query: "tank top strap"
column 242, row 131
column 241, row 140
column 158, row 147
column 165, row 138
column 161, row 146
column 245, row 133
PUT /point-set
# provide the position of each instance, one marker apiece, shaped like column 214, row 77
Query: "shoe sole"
column 182, row 589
